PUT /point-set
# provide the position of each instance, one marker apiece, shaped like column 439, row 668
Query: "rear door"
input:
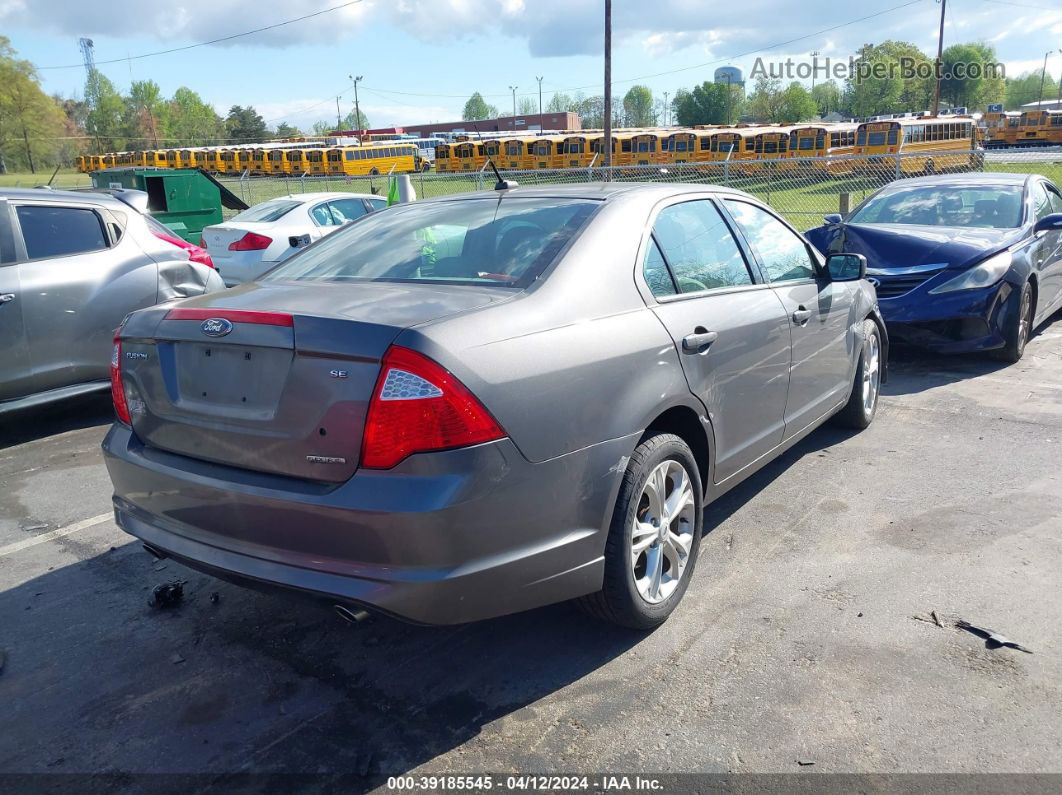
column 16, row 375
column 79, row 276
column 731, row 332
column 817, row 311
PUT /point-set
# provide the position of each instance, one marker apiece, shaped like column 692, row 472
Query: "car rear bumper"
column 444, row 538
column 964, row 321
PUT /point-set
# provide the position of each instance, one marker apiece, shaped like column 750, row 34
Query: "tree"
column 765, row 102
column 1026, row 88
column 972, row 91
column 106, row 116
column 192, row 121
column 876, row 86
column 591, row 111
column 638, row 107
column 560, row 103
column 527, row 106
column 916, row 74
column 795, row 104
column 359, row 123
column 144, row 111
column 827, row 97
column 477, row 109
column 245, row 124
column 707, row 104
column 322, row 128
column 285, row 130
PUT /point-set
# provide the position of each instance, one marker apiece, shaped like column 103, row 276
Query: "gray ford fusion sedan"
column 466, row 407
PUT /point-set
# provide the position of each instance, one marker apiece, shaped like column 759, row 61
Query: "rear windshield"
column 267, row 211
column 997, row 207
column 476, row 241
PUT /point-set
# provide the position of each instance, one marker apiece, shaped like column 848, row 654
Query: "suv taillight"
column 419, row 406
column 121, row 408
column 252, row 241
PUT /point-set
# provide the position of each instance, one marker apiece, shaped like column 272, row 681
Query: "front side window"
column 1041, row 202
column 698, row 245
column 60, row 231
column 505, row 242
column 783, row 253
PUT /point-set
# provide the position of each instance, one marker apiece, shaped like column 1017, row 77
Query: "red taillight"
column 252, row 241
column 201, row 256
column 234, row 315
column 121, row 408
column 419, row 406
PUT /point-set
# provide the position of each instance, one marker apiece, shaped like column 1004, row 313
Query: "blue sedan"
column 961, row 262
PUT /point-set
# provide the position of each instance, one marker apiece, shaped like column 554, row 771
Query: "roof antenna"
column 501, row 184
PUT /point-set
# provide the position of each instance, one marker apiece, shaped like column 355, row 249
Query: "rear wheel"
column 1018, row 327
column 863, row 402
column 654, row 538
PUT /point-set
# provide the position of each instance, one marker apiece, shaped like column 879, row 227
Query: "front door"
column 818, row 313
column 1047, row 251
column 731, row 333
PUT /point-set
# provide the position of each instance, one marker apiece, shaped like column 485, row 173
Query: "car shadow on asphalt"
column 74, row 414
column 913, row 370
column 241, row 684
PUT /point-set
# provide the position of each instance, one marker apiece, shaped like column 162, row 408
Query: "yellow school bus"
column 541, row 152
column 442, row 158
column 187, row 158
column 464, row 156
column 679, row 147
column 996, row 124
column 154, row 158
column 382, row 158
column 490, row 149
column 513, row 154
column 573, row 151
column 274, row 161
column 315, row 161
column 81, row 162
column 948, row 142
column 1036, row 128
column 824, row 141
column 257, row 161
column 170, row 158
column 295, row 161
column 722, row 144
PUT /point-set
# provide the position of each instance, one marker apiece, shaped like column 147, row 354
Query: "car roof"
column 601, row 191
column 975, row 178
column 48, row 194
column 322, row 196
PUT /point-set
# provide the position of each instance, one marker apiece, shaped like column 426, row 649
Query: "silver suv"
column 72, row 265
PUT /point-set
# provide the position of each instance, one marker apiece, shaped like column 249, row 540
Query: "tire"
column 1019, row 327
column 862, row 404
column 630, row 596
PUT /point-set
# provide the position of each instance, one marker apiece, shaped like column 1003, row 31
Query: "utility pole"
column 814, row 63
column 1060, row 86
column 940, row 58
column 357, row 107
column 607, row 141
column 539, row 79
column 665, row 109
column 513, row 89
column 339, row 118
column 1043, row 76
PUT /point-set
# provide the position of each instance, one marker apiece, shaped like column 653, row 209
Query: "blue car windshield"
column 505, row 242
column 995, row 207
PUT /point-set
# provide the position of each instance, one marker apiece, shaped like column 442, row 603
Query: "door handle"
column 801, row 316
column 699, row 340
column 6, row 297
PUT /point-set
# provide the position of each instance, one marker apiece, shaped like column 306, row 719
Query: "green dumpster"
column 184, row 199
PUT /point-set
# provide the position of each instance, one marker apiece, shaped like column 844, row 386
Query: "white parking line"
column 18, row 546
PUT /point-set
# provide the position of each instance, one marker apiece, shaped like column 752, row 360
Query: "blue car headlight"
column 987, row 273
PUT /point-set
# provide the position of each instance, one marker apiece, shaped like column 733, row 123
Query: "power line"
column 214, row 41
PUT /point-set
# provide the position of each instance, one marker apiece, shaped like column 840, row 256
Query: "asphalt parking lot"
column 807, row 636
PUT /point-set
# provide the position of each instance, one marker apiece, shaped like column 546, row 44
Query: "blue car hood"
column 904, row 245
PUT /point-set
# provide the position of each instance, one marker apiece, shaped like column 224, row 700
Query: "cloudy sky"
column 422, row 58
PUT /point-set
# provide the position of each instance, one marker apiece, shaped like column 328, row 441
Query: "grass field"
column 66, row 178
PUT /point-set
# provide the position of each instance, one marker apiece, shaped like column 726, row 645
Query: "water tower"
column 729, row 74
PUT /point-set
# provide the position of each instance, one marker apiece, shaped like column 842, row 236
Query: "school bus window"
column 626, row 146
column 705, row 144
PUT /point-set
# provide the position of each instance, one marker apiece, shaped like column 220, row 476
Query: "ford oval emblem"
column 216, row 327
column 875, row 282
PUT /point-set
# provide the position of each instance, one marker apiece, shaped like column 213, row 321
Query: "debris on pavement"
column 176, row 658
column 215, row 597
column 159, row 566
column 993, row 640
column 932, row 618
column 167, row 595
column 805, row 762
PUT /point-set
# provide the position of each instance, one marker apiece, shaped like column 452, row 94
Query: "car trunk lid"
column 283, row 387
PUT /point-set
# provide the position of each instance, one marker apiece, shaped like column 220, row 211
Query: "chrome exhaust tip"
column 351, row 616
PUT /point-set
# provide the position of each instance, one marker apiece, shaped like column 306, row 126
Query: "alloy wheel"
column 871, row 372
column 662, row 533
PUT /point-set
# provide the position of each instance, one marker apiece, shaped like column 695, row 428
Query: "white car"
column 249, row 244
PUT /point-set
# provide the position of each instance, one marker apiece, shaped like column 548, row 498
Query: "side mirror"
column 832, row 218
column 1049, row 223
column 846, row 267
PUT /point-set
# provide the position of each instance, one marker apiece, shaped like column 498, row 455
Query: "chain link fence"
column 801, row 189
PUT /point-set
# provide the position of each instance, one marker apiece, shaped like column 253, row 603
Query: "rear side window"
column 344, row 210
column 60, row 231
column 699, row 247
column 656, row 273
